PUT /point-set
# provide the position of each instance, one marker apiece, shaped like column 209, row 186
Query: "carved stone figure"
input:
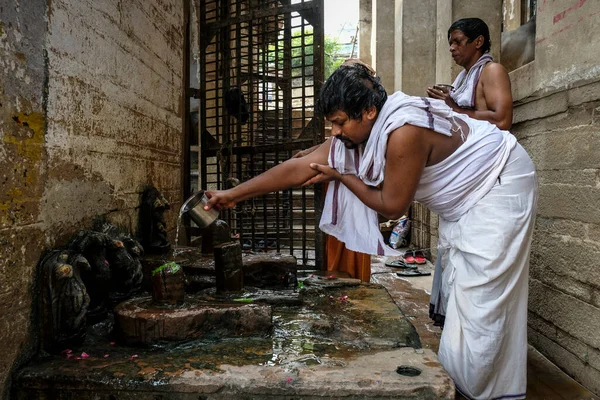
column 93, row 245
column 64, row 300
column 123, row 255
column 152, row 225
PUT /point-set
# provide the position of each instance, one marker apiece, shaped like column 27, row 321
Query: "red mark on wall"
column 575, row 6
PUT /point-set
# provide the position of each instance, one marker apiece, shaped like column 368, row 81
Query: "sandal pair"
column 399, row 264
column 414, row 257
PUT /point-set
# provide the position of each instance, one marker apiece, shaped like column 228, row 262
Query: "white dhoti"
column 484, row 256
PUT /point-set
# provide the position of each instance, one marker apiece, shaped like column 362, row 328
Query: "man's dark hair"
column 473, row 28
column 351, row 89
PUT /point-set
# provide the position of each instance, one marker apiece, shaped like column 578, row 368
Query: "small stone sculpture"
column 152, row 225
column 123, row 255
column 92, row 245
column 64, row 300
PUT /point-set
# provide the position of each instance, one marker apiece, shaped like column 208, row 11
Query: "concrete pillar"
column 384, row 55
column 365, row 20
column 443, row 61
column 416, row 45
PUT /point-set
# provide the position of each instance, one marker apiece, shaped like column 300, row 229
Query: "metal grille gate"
column 261, row 67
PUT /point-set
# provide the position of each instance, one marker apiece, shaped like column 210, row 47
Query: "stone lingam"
column 223, row 309
column 172, row 315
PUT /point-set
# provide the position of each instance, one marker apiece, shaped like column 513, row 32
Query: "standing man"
column 482, row 89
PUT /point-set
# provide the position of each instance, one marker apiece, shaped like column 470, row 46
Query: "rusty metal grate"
column 261, row 68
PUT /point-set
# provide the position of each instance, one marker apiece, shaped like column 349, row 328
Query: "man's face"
column 352, row 132
column 464, row 52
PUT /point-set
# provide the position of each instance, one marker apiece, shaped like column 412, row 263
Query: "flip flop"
column 419, row 257
column 412, row 272
column 414, row 257
column 399, row 264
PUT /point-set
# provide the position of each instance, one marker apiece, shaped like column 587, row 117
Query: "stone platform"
column 340, row 342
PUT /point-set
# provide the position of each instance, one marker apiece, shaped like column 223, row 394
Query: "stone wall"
column 23, row 170
column 557, row 119
column 562, row 133
column 91, row 104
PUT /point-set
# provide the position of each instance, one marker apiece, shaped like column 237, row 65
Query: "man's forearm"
column 291, row 173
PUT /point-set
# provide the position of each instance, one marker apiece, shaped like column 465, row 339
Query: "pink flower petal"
column 66, row 351
column 76, row 358
column 112, row 343
column 133, row 356
column 106, row 356
column 288, row 380
column 85, row 355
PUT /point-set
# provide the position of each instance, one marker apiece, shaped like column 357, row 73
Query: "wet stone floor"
column 343, row 339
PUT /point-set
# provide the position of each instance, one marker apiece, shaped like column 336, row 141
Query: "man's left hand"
column 440, row 94
column 326, row 174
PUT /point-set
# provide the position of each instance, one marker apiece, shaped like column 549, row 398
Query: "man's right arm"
column 291, row 173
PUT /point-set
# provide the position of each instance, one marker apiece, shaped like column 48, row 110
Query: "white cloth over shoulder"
column 465, row 83
column 344, row 215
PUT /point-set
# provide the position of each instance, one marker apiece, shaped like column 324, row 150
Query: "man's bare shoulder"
column 494, row 70
column 407, row 138
column 408, row 132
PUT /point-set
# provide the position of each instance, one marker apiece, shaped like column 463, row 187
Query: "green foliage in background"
column 332, row 55
column 302, row 54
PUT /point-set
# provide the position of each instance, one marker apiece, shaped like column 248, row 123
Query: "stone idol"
column 152, row 227
column 64, row 300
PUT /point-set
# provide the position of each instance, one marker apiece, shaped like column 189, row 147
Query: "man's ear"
column 370, row 113
column 479, row 41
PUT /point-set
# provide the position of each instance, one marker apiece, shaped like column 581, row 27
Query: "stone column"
column 384, row 55
column 365, row 20
column 443, row 61
column 416, row 45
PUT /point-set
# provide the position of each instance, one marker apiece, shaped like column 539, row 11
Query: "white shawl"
column 344, row 215
column 465, row 83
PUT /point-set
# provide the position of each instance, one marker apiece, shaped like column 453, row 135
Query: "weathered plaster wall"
column 557, row 119
column 114, row 101
column 22, row 170
column 566, row 49
column 91, row 103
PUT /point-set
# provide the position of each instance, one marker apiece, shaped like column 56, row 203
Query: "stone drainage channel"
column 300, row 337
